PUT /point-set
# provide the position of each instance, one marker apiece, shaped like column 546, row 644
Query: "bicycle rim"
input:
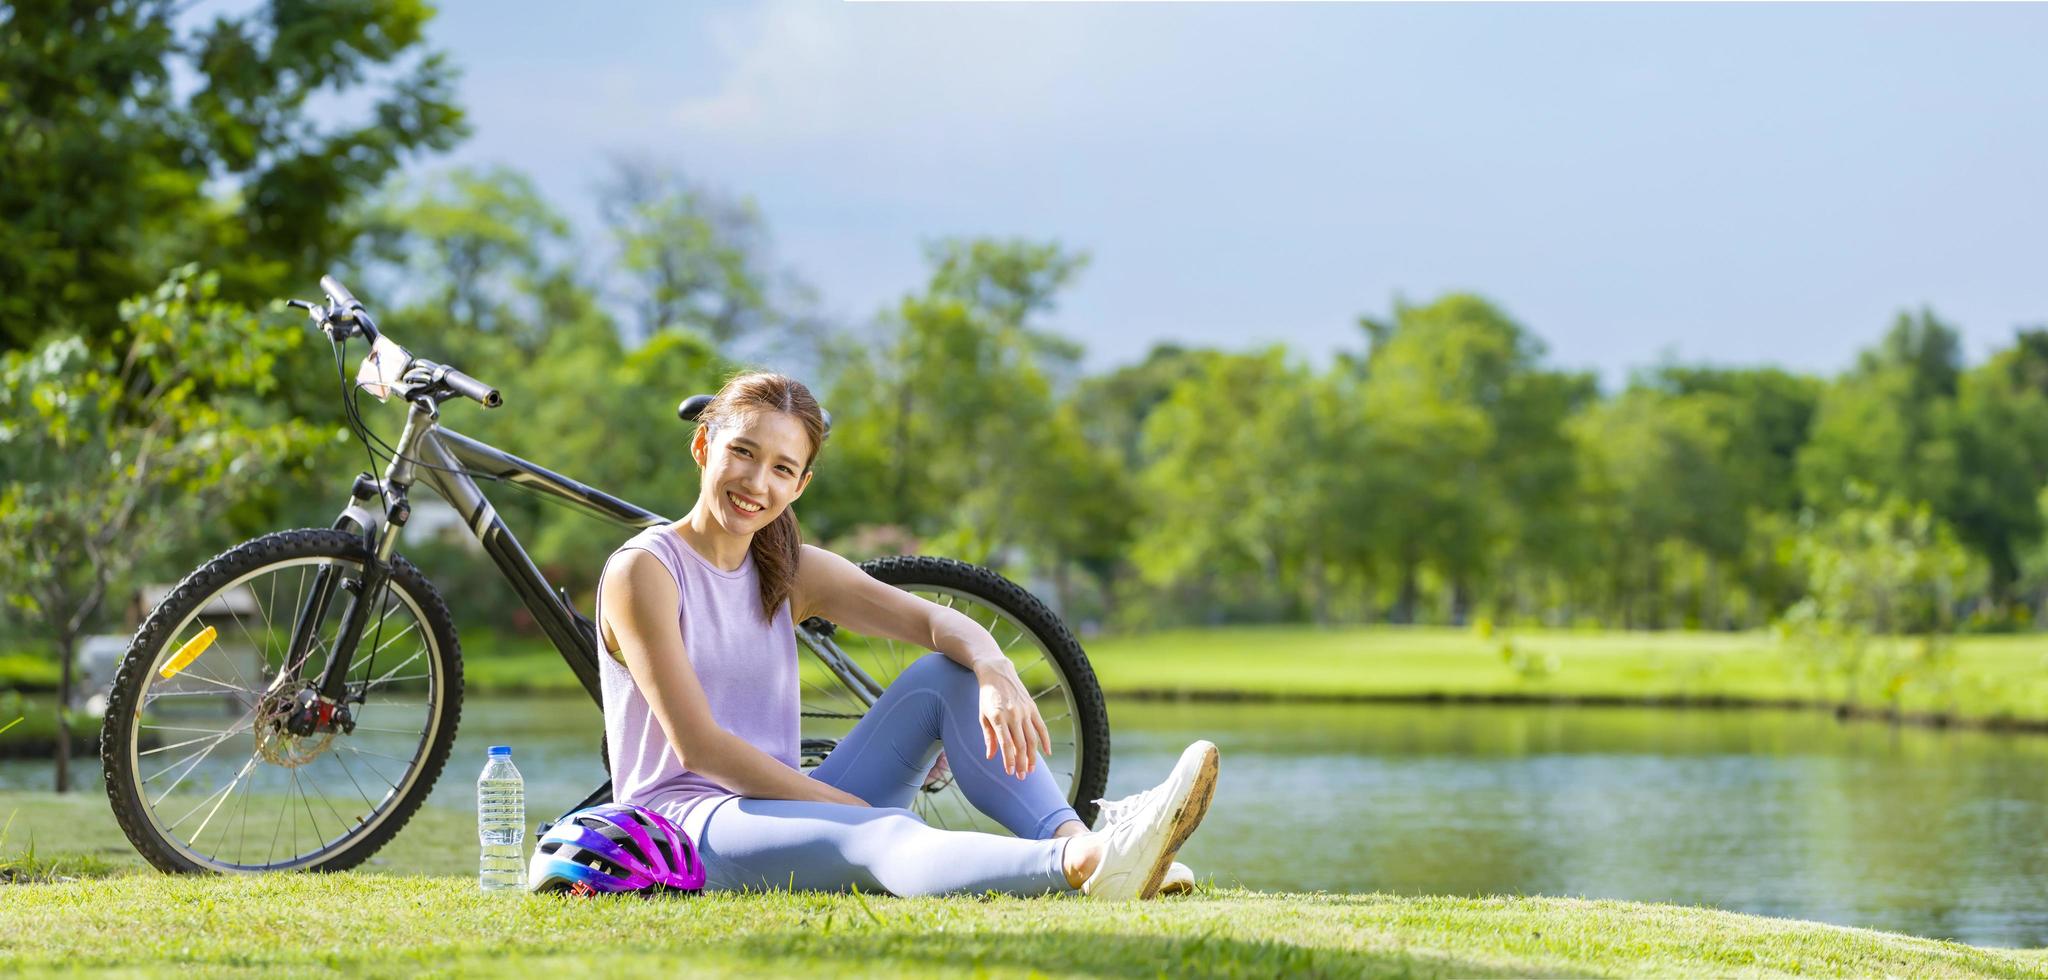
column 830, row 709
column 221, row 785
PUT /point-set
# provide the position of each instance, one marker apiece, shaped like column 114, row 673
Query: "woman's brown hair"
column 777, row 546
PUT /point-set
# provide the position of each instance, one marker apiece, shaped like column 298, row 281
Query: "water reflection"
column 1935, row 833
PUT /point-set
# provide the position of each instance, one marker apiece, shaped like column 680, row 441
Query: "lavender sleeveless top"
column 747, row 666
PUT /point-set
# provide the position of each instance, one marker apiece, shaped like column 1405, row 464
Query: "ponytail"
column 776, row 549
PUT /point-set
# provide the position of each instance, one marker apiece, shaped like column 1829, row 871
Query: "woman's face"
column 753, row 468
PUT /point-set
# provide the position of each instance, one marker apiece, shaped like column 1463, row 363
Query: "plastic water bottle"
column 501, row 823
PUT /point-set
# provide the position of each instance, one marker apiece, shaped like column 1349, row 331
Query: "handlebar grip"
column 340, row 294
column 468, row 387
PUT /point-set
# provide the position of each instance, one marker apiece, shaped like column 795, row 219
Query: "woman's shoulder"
column 819, row 572
column 643, row 550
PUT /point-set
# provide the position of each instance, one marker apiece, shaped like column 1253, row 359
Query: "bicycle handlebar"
column 339, row 294
column 344, row 311
column 468, row 387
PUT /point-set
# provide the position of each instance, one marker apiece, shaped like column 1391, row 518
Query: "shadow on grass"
column 1054, row 951
column 1058, row 950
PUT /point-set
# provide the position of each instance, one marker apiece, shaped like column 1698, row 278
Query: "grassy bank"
column 1999, row 680
column 1988, row 678
column 113, row 914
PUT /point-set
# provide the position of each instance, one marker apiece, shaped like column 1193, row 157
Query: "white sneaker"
column 1145, row 834
column 1180, row 879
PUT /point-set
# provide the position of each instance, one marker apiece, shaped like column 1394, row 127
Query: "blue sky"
column 1737, row 184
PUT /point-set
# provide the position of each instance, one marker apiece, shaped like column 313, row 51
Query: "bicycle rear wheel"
column 1048, row 658
column 202, row 770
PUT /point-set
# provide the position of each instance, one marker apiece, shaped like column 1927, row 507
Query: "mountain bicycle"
column 291, row 702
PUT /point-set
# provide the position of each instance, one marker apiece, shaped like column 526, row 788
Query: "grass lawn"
column 114, row 914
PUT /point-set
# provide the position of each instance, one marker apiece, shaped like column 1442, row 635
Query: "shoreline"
column 86, row 745
column 1682, row 702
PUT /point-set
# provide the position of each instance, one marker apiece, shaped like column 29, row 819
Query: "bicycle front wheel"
column 1048, row 659
column 204, row 766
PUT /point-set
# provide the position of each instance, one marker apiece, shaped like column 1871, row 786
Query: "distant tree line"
column 1440, row 469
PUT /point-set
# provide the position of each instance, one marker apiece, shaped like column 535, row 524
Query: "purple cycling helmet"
column 615, row 847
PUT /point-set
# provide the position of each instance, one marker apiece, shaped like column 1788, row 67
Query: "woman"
column 700, row 702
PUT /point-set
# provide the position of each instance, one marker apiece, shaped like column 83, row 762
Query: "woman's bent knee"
column 933, row 670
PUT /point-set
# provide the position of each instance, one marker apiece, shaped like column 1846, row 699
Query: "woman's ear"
column 698, row 448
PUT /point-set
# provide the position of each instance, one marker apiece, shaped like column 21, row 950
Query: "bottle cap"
column 501, row 750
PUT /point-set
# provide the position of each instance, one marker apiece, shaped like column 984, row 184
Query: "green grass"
column 97, row 908
column 1990, row 678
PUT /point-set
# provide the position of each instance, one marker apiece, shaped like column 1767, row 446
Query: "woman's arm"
column 640, row 613
column 830, row 586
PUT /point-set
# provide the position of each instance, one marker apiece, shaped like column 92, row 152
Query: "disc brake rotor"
column 278, row 744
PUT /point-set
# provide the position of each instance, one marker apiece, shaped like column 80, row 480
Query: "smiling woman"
column 701, row 701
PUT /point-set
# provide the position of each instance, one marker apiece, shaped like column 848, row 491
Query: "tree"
column 472, row 238
column 1879, row 569
column 117, row 126
column 1466, row 431
column 2000, row 426
column 1882, row 422
column 946, row 424
column 1010, row 280
column 693, row 257
column 1653, row 479
column 110, row 462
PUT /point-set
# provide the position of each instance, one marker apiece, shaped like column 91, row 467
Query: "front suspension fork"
column 366, row 592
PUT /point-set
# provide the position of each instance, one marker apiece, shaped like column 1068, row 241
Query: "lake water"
column 1935, row 833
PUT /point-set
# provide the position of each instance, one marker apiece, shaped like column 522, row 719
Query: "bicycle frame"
column 443, row 459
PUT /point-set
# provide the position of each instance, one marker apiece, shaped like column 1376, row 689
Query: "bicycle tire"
column 1063, row 652
column 242, row 563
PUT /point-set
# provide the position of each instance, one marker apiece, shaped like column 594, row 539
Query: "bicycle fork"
column 324, row 705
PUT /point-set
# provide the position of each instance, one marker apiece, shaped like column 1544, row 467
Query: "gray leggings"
column 884, row 847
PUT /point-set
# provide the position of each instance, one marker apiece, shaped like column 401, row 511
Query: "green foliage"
column 110, row 462
column 474, row 238
column 1883, row 578
column 115, row 123
column 694, row 256
column 949, row 426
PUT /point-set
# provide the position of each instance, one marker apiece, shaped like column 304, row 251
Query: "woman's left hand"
column 1009, row 718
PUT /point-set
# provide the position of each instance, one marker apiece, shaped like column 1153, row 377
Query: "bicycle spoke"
column 175, row 728
column 401, row 635
column 379, row 755
column 374, row 771
column 198, row 755
column 312, row 822
column 223, row 794
column 387, row 676
column 189, row 673
column 295, row 814
column 271, row 854
column 352, row 781
column 265, row 646
column 174, row 745
column 159, row 695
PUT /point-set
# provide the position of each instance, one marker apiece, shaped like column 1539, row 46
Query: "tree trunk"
column 67, row 648
column 1318, row 591
column 1404, row 603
